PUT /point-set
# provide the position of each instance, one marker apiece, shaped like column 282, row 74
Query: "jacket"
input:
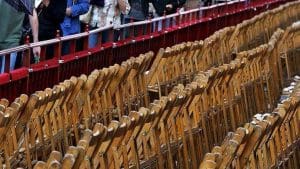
column 139, row 9
column 71, row 24
column 160, row 6
column 11, row 26
column 50, row 18
column 110, row 14
column 99, row 3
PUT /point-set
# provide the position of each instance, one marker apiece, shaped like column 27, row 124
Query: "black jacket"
column 99, row 3
column 139, row 9
column 160, row 6
column 50, row 18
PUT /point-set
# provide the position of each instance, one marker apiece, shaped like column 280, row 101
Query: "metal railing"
column 128, row 32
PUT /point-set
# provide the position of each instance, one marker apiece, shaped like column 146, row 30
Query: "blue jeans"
column 168, row 23
column 65, row 49
column 13, row 57
column 93, row 38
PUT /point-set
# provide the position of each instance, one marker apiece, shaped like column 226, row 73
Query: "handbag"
column 86, row 18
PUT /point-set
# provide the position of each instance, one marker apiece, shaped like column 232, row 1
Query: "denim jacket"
column 71, row 24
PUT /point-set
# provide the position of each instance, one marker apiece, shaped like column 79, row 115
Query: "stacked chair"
column 290, row 46
column 57, row 117
column 270, row 140
column 107, row 119
column 176, row 130
column 253, row 32
column 180, row 62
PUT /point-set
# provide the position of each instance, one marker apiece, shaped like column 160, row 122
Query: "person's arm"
column 34, row 23
column 80, row 8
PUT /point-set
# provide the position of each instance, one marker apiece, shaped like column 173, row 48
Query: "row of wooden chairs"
column 180, row 62
column 270, row 140
column 176, row 130
column 290, row 46
column 106, row 119
column 55, row 118
column 257, row 30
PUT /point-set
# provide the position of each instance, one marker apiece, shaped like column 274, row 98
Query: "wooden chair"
column 197, row 105
column 289, row 49
column 269, row 141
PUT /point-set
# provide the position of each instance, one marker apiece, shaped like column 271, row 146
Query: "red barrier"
column 43, row 75
column 187, row 26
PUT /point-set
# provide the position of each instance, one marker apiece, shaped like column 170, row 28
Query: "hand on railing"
column 36, row 58
column 36, row 51
column 169, row 7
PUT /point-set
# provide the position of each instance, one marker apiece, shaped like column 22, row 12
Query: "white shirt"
column 109, row 14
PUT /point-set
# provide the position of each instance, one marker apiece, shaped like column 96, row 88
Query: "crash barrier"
column 186, row 26
column 270, row 140
column 63, row 127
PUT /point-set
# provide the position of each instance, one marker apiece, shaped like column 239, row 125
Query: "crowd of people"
column 69, row 16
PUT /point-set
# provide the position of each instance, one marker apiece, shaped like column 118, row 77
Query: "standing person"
column 109, row 14
column 139, row 11
column 30, row 28
column 51, row 13
column 207, row 2
column 11, row 31
column 113, row 9
column 97, row 20
column 166, row 7
column 71, row 23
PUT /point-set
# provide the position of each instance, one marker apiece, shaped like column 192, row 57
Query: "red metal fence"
column 191, row 25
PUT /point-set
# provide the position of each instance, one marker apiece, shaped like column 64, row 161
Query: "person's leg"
column 167, row 23
column 127, row 33
column 153, row 27
column 105, row 36
column 2, row 64
column 65, row 48
column 19, row 60
column 159, row 26
column 116, row 35
column 50, row 52
column 93, row 40
column 13, row 58
column 79, row 42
